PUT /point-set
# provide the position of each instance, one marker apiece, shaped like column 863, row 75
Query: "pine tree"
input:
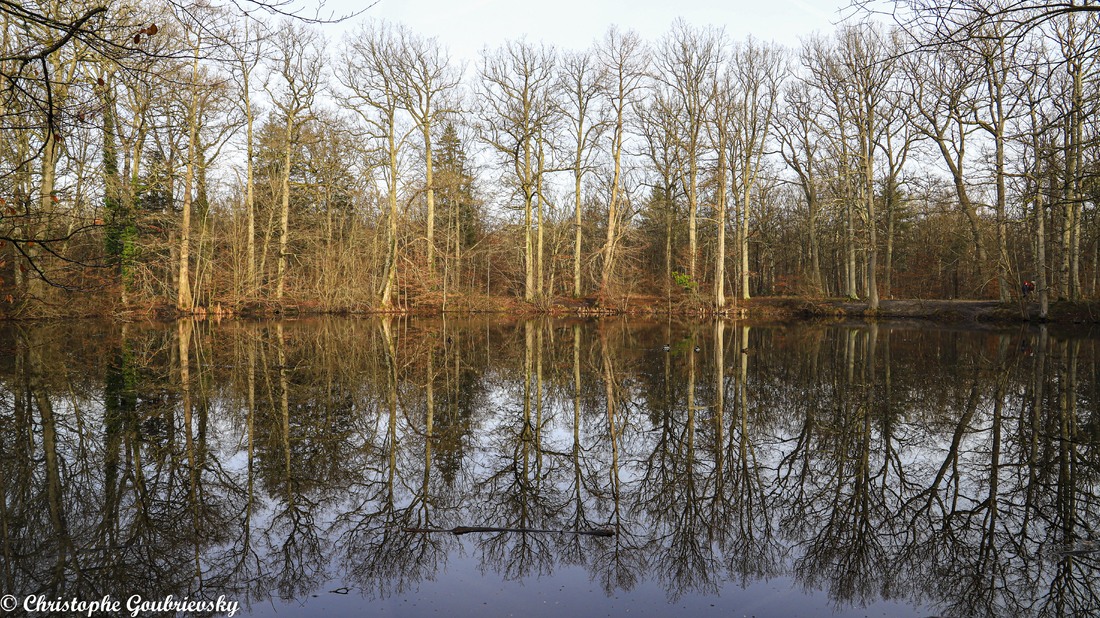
column 456, row 197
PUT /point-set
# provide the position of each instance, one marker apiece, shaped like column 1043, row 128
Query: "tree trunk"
column 428, row 180
column 850, row 249
column 815, row 249
column 528, row 248
column 390, row 277
column 612, row 205
column 888, row 267
column 998, row 125
column 51, row 153
column 720, row 216
column 540, row 271
column 577, row 290
column 184, row 301
column 668, row 242
column 1040, row 256
column 743, row 241
column 249, row 199
column 284, row 212
column 692, row 207
column 869, row 196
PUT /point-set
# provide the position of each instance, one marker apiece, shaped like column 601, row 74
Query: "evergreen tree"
column 457, row 196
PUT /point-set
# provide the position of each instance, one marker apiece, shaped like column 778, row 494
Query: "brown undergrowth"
column 685, row 305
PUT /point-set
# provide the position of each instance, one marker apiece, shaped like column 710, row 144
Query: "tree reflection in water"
column 945, row 469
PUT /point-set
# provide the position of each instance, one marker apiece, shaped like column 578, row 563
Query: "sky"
column 467, row 26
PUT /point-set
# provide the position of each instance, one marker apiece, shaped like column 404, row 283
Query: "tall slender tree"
column 755, row 78
column 369, row 75
column 582, row 79
column 686, row 63
column 425, row 81
column 624, row 59
column 516, row 106
column 299, row 64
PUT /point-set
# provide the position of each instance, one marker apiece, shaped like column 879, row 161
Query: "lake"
column 609, row 467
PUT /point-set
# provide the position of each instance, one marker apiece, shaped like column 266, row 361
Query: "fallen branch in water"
column 468, row 529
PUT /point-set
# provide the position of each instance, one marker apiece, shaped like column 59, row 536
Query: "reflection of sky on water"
column 462, row 591
column 833, row 475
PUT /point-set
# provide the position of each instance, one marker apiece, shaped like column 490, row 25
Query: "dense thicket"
column 190, row 156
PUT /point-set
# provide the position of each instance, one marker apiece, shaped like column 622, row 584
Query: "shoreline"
column 936, row 311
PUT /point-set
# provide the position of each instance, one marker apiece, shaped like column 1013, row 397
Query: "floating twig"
column 468, row 529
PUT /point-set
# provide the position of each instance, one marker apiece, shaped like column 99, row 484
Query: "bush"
column 684, row 280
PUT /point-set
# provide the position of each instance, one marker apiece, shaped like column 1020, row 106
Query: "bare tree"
column 799, row 131
column 941, row 109
column 686, row 61
column 581, row 82
column 425, row 80
column 516, row 106
column 828, row 76
column 865, row 55
column 1076, row 37
column 624, row 59
column 370, row 76
column 184, row 300
column 1033, row 88
column 659, row 132
column 50, row 31
column 933, row 23
column 755, row 79
column 51, row 55
column 247, row 52
column 994, row 54
column 299, row 79
column 896, row 142
column 724, row 112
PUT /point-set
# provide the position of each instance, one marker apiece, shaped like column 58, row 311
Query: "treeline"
column 191, row 156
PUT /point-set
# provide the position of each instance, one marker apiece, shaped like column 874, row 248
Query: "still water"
column 321, row 467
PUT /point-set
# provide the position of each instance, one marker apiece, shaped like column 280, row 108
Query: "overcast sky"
column 466, row 26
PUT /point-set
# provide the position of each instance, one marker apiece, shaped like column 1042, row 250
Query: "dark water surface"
column 771, row 470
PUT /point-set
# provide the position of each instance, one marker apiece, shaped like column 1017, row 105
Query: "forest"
column 193, row 157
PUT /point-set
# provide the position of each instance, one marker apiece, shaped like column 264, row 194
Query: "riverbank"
column 787, row 308
column 937, row 310
column 764, row 308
